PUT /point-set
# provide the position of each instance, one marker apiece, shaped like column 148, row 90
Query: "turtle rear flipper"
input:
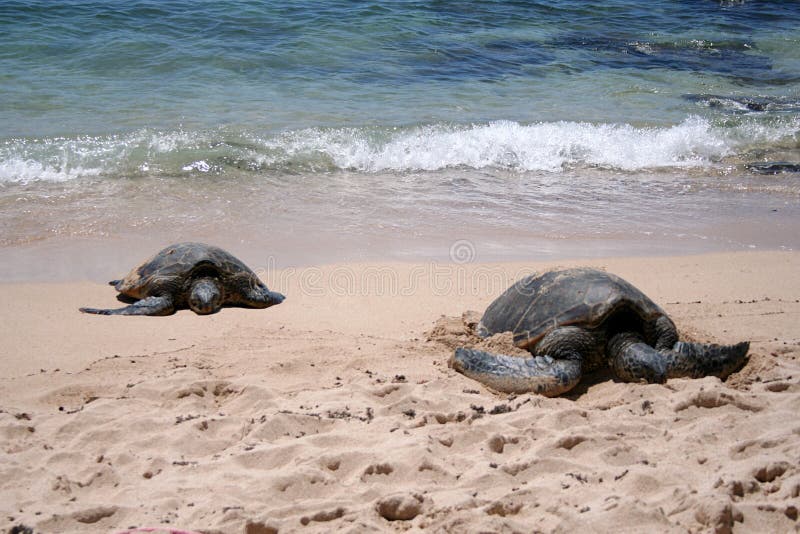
column 634, row 360
column 695, row 360
column 114, row 282
column 512, row 374
column 148, row 306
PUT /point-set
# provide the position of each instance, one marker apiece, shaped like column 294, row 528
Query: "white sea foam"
column 541, row 146
column 59, row 159
column 544, row 146
column 19, row 170
column 200, row 166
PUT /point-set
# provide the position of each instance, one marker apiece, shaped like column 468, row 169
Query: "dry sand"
column 334, row 412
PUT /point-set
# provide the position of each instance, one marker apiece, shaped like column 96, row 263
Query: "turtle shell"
column 587, row 298
column 176, row 264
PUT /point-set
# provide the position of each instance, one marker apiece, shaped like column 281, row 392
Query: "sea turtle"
column 577, row 320
column 201, row 277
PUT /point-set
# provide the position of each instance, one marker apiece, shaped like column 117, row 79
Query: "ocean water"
column 306, row 132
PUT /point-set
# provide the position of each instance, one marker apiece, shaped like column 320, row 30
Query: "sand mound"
column 454, row 332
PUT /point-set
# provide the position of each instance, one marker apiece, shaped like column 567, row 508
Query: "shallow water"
column 323, row 132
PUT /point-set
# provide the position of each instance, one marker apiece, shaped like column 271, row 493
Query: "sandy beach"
column 336, row 411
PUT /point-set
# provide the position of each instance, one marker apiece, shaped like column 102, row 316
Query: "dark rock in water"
column 774, row 167
column 746, row 103
column 736, row 59
column 754, row 106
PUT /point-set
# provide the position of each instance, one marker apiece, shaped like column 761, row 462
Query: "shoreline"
column 334, row 411
column 102, row 228
column 74, row 260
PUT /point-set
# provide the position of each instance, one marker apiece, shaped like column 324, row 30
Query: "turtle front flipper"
column 633, row 360
column 261, row 297
column 512, row 374
column 147, row 306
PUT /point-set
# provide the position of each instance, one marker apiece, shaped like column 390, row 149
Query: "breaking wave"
column 543, row 146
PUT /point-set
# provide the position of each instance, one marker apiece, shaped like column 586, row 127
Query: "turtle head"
column 205, row 296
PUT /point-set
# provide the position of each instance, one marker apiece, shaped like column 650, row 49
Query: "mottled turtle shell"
column 171, row 269
column 587, row 298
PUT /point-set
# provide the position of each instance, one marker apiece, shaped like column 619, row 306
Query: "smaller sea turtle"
column 576, row 321
column 201, row 277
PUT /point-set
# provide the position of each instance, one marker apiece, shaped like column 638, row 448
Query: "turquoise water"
column 390, row 129
column 78, row 67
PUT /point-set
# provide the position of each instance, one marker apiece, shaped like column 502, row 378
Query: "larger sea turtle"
column 577, row 320
column 201, row 277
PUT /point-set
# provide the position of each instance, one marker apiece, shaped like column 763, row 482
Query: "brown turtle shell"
column 587, row 298
column 171, row 269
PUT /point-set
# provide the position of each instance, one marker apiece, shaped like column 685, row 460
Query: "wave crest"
column 544, row 146
column 536, row 147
